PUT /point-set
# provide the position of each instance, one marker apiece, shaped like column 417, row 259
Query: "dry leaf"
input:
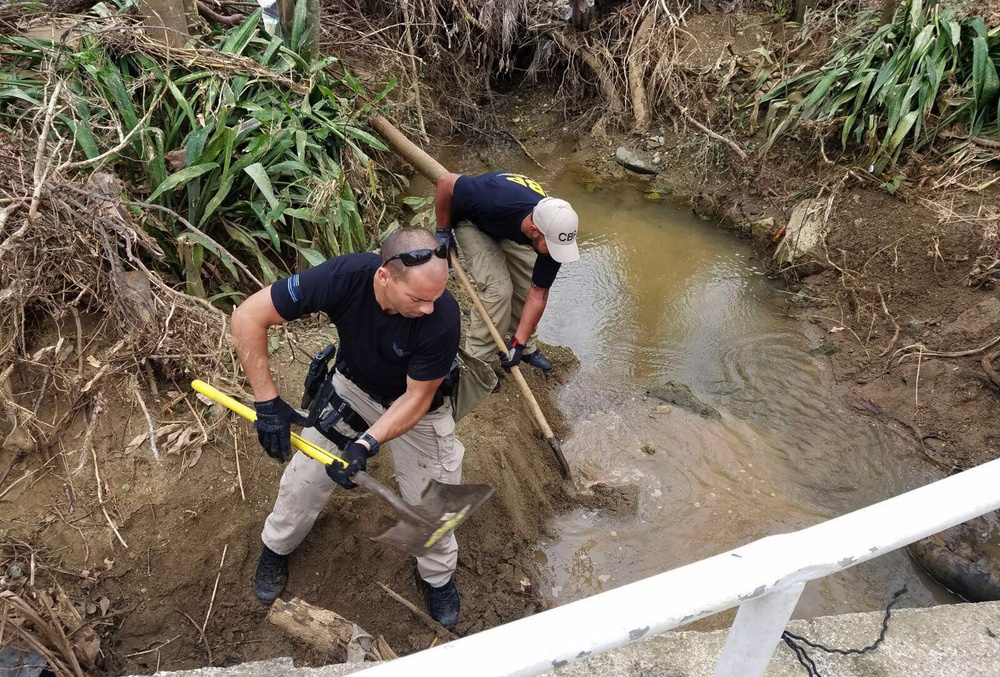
column 136, row 441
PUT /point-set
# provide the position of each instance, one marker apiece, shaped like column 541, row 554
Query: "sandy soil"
column 179, row 516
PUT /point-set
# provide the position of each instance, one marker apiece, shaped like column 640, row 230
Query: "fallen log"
column 325, row 630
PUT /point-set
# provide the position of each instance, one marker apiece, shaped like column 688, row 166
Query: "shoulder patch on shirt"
column 294, row 288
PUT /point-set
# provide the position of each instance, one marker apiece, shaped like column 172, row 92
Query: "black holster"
column 327, row 407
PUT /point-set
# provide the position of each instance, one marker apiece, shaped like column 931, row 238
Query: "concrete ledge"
column 941, row 641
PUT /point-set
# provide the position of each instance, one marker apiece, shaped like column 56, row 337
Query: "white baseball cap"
column 556, row 220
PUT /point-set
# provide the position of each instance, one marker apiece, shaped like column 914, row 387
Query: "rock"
column 981, row 318
column 803, row 234
column 653, row 143
column 19, row 441
column 648, row 449
column 917, row 325
column 824, row 348
column 762, row 228
column 632, row 161
column 681, row 396
column 22, row 663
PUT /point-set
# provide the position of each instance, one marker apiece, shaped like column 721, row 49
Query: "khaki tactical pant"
column 501, row 270
column 427, row 451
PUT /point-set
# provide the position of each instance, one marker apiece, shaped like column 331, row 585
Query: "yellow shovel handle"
column 303, row 445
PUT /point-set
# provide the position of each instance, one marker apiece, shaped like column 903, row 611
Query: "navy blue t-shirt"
column 380, row 349
column 497, row 203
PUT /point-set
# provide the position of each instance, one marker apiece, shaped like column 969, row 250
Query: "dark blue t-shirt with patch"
column 380, row 349
column 497, row 203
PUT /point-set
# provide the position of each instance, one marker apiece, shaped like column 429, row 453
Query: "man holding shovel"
column 399, row 333
column 513, row 239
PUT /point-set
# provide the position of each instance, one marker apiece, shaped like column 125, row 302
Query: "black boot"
column 537, row 360
column 443, row 603
column 271, row 575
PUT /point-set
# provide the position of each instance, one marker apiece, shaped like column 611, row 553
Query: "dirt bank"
column 149, row 600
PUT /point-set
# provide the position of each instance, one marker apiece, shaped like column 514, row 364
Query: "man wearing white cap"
column 513, row 239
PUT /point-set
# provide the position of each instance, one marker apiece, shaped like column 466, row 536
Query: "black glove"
column 274, row 427
column 447, row 236
column 356, row 456
column 444, row 236
column 515, row 348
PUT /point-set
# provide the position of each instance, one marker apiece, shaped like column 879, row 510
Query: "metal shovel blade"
column 442, row 508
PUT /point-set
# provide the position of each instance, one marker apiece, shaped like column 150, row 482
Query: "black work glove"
column 515, row 348
column 447, row 236
column 356, row 456
column 274, row 427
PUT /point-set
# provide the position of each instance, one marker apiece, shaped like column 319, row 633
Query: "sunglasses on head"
column 419, row 256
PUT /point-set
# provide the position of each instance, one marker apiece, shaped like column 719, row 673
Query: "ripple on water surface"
column 657, row 295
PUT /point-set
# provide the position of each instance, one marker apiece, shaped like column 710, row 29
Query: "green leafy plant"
column 423, row 211
column 898, row 84
column 264, row 155
column 892, row 185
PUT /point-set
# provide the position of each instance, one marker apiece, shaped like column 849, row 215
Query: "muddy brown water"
column 658, row 294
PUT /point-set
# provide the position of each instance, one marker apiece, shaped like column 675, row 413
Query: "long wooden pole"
column 433, row 170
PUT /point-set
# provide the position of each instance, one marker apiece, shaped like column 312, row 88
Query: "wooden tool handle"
column 433, row 170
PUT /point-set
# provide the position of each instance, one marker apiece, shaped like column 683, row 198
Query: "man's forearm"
column 251, row 350
column 443, row 195
column 534, row 306
column 249, row 325
column 404, row 413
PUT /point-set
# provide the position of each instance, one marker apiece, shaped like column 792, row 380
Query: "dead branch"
column 718, row 137
column 149, row 419
column 325, row 630
column 40, row 173
column 88, row 443
column 921, row 349
column 419, row 613
column 215, row 588
column 225, row 20
column 885, row 309
column 636, row 62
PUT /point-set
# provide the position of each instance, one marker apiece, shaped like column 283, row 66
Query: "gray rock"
column 804, row 233
column 824, row 348
column 631, row 160
column 681, row 396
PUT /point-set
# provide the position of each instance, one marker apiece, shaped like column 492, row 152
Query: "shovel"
column 432, row 169
column 442, row 507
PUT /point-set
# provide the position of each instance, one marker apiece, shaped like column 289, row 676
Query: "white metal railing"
column 763, row 578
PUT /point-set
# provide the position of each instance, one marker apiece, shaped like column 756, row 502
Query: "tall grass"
column 899, row 85
column 261, row 152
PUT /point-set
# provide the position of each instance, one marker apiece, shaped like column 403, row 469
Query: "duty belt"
column 327, row 407
column 443, row 391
